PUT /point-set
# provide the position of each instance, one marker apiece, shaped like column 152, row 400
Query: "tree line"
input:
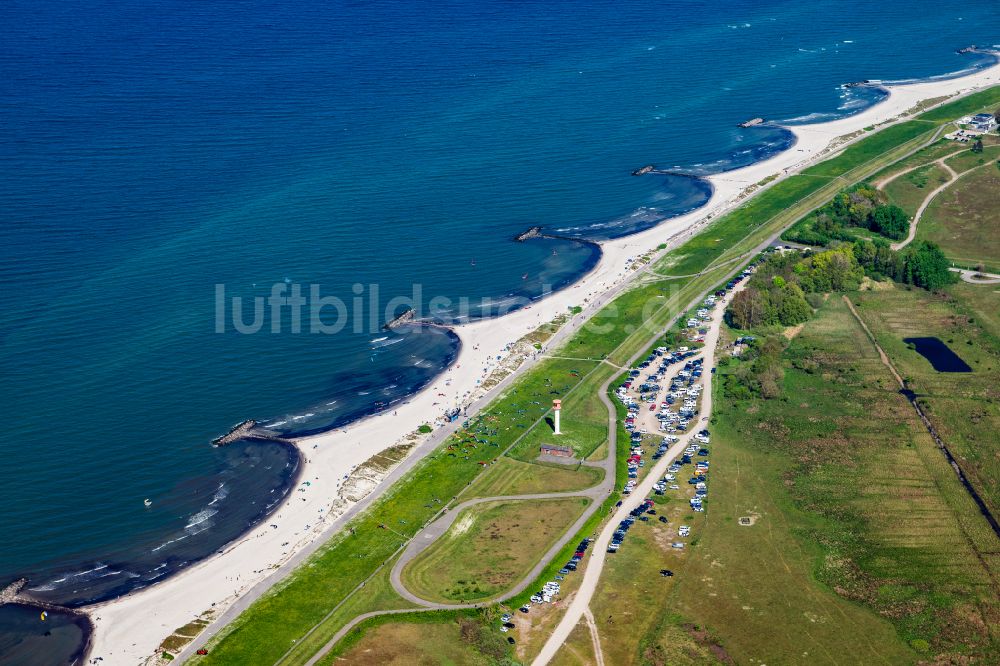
column 787, row 286
column 862, row 206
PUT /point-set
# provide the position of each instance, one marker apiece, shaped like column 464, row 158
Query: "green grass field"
column 967, row 159
column 936, row 150
column 864, row 151
column 455, row 638
column 965, row 220
column 983, row 100
column 909, row 190
column 981, row 303
column 859, row 521
column 964, row 407
column 489, row 548
column 408, row 644
column 515, row 477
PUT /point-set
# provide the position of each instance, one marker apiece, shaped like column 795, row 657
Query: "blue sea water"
column 152, row 151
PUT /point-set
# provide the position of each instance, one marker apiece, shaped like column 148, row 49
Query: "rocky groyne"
column 405, row 318
column 12, row 593
column 533, row 232
column 248, row 430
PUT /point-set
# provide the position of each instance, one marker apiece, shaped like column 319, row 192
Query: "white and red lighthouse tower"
column 556, row 408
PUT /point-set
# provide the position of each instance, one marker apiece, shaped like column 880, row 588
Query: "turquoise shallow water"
column 153, row 153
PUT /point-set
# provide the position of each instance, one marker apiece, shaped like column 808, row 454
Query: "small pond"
column 939, row 354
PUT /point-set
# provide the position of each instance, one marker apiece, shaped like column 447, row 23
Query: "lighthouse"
column 556, row 408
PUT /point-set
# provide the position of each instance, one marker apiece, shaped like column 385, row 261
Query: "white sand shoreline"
column 129, row 629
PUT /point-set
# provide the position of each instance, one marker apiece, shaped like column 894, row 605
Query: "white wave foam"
column 200, row 518
column 220, row 494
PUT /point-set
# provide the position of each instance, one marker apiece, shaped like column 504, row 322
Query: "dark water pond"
column 939, row 354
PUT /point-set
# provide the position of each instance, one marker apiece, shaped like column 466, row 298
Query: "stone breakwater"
column 405, row 318
column 533, row 232
column 12, row 593
column 248, row 430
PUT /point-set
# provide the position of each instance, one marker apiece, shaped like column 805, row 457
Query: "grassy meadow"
column 489, row 548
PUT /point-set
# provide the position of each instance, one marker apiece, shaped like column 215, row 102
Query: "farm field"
column 489, row 548
column 861, row 527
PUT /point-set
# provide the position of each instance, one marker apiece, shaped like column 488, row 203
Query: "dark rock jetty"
column 405, row 318
column 248, row 430
column 533, row 232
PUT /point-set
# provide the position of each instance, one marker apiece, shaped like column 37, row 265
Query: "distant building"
column 553, row 450
column 984, row 122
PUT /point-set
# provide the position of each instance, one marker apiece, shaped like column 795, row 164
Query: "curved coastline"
column 67, row 637
column 610, row 251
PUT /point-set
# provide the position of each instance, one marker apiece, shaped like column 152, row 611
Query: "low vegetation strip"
column 967, row 105
column 866, row 150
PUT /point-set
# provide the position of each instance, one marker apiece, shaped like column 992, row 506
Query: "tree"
column 794, row 307
column 864, row 252
column 747, row 309
column 891, row 221
column 832, row 270
column 926, row 266
column 977, row 147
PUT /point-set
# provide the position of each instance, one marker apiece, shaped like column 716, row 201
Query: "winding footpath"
column 952, row 177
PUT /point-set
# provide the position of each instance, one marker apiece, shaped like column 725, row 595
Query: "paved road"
column 972, row 277
column 580, row 604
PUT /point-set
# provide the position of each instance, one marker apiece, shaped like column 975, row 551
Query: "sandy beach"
column 128, row 630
